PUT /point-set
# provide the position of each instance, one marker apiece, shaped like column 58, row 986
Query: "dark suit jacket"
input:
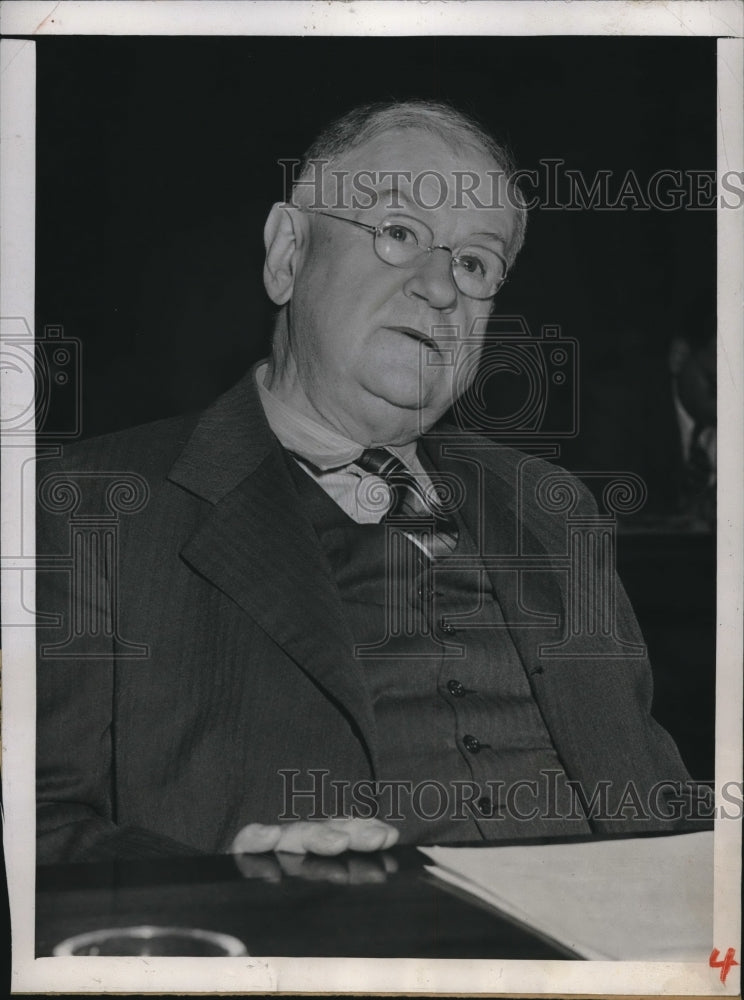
column 250, row 667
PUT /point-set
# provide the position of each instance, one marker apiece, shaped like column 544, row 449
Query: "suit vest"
column 463, row 751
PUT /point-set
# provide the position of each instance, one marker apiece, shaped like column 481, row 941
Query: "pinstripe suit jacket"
column 220, row 579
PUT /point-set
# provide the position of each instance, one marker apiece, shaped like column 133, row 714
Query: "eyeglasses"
column 402, row 241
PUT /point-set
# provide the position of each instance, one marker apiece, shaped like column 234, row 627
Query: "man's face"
column 369, row 339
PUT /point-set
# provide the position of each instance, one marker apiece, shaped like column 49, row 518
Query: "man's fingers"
column 366, row 834
column 313, row 838
column 255, row 839
column 325, row 838
column 337, row 835
column 292, row 838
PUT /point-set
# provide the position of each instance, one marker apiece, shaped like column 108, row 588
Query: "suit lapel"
column 258, row 547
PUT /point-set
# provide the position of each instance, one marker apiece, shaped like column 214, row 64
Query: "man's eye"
column 400, row 234
column 472, row 264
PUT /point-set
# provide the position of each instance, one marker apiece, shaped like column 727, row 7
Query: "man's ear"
column 283, row 234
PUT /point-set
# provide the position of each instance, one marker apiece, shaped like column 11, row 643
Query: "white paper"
column 645, row 898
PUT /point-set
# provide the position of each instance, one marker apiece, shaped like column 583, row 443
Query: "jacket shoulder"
column 149, row 449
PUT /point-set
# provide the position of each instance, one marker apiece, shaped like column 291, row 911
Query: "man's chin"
column 404, row 385
column 399, row 392
column 402, row 407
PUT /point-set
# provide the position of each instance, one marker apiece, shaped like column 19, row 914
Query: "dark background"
column 157, row 164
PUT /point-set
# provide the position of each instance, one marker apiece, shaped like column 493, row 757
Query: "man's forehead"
column 415, row 169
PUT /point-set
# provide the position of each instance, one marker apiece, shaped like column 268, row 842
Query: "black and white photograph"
column 370, row 586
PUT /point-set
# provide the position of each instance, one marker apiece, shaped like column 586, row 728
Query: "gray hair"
column 455, row 128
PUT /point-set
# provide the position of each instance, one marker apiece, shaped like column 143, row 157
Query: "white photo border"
column 718, row 18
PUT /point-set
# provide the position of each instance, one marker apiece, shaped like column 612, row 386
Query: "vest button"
column 471, row 744
column 485, row 806
column 456, row 689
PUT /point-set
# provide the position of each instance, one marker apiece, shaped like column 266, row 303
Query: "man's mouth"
column 415, row 334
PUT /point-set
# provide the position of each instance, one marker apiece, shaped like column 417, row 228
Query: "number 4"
column 725, row 964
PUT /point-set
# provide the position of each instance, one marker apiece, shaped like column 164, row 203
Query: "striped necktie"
column 413, row 499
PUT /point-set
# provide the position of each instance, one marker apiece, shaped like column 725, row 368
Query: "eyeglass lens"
column 477, row 270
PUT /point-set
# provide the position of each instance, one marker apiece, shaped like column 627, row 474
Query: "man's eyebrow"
column 394, row 190
column 395, row 195
column 496, row 237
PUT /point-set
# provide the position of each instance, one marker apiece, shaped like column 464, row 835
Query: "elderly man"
column 304, row 639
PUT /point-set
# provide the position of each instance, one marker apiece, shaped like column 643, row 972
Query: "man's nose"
column 432, row 280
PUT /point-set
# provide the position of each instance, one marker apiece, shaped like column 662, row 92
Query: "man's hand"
column 331, row 836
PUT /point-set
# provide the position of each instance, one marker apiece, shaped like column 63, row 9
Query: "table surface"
column 355, row 905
